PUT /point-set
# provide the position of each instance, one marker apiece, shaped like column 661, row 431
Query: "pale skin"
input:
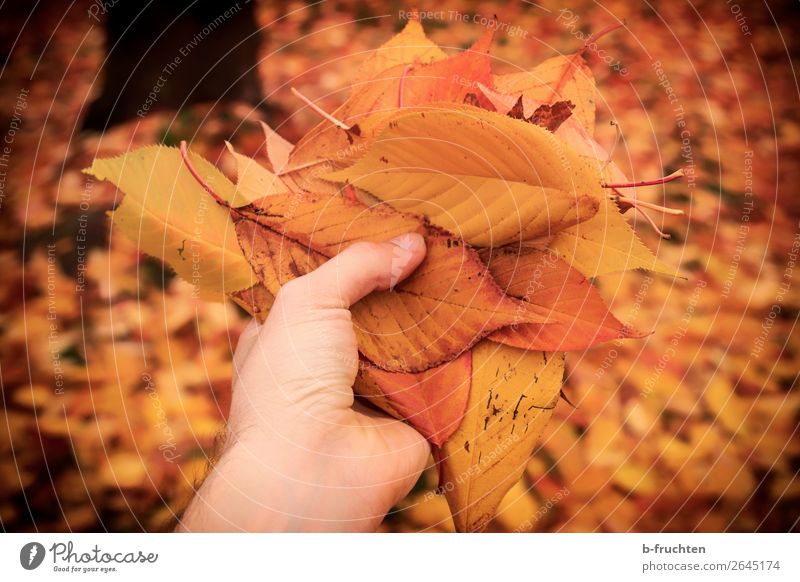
column 301, row 454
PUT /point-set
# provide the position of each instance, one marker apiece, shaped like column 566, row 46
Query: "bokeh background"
column 115, row 381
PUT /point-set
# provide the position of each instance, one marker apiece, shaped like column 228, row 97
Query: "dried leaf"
column 253, row 181
column 542, row 278
column 170, row 216
column 560, row 78
column 450, row 80
column 447, row 80
column 410, row 46
column 512, row 398
column 448, row 304
column 604, row 244
column 433, row 402
column 256, row 300
column 552, row 116
column 277, row 148
column 491, row 179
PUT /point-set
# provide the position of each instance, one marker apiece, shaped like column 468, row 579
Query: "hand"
column 300, row 454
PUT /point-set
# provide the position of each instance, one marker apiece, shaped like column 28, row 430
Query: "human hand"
column 300, row 454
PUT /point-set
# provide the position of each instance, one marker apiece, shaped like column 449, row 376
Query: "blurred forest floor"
column 115, row 381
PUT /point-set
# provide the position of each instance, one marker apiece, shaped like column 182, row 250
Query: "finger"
column 357, row 271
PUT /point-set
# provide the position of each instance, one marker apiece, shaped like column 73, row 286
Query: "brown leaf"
column 560, row 78
column 519, row 106
column 552, row 116
column 256, row 300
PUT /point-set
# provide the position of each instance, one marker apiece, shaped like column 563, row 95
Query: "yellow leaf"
column 253, row 181
column 730, row 411
column 637, row 478
column 410, row 46
column 486, row 177
column 513, row 395
column 604, row 244
column 278, row 149
column 36, row 395
column 561, row 78
column 170, row 216
column 123, row 470
column 429, row 513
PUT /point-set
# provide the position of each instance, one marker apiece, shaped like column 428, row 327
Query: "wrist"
column 273, row 485
column 241, row 493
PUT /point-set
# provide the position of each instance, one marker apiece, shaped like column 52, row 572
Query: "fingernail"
column 410, row 241
column 406, row 245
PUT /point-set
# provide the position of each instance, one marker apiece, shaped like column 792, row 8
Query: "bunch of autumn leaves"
column 502, row 177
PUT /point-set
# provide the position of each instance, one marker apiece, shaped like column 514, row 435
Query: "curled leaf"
column 560, row 78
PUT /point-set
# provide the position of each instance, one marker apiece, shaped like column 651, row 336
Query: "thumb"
column 306, row 350
column 357, row 271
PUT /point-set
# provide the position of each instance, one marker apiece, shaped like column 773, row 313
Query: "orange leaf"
column 494, row 180
column 581, row 318
column 256, row 300
column 433, row 402
column 450, row 80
